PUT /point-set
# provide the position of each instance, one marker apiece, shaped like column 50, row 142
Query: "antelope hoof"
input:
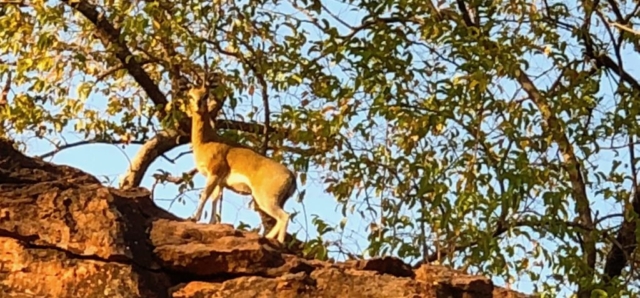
column 274, row 240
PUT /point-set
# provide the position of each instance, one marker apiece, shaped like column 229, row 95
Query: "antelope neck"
column 201, row 130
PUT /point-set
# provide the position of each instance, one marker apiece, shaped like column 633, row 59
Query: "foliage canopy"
column 501, row 134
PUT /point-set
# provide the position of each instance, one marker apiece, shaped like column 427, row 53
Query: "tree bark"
column 626, row 242
column 161, row 143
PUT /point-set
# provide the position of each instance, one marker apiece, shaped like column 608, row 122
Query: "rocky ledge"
column 63, row 234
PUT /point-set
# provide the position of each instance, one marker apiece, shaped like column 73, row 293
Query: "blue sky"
column 108, row 162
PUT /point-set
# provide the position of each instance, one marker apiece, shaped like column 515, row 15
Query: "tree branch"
column 160, row 144
column 111, row 38
column 86, row 142
column 502, row 228
column 175, row 179
column 173, row 160
column 553, row 126
column 265, row 95
column 112, row 70
column 251, row 127
column 625, row 28
column 169, row 47
column 618, row 256
column 465, row 13
column 267, row 112
column 607, row 62
column 19, row 3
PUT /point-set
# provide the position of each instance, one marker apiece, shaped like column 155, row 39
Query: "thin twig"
column 175, row 179
column 86, row 142
column 112, row 70
column 173, row 160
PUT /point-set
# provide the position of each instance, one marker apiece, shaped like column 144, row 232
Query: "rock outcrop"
column 63, row 234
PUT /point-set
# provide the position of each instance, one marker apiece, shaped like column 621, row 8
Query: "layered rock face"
column 63, row 234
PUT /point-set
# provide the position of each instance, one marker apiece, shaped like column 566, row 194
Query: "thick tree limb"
column 465, row 14
column 111, row 38
column 553, row 126
column 160, row 144
column 267, row 112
